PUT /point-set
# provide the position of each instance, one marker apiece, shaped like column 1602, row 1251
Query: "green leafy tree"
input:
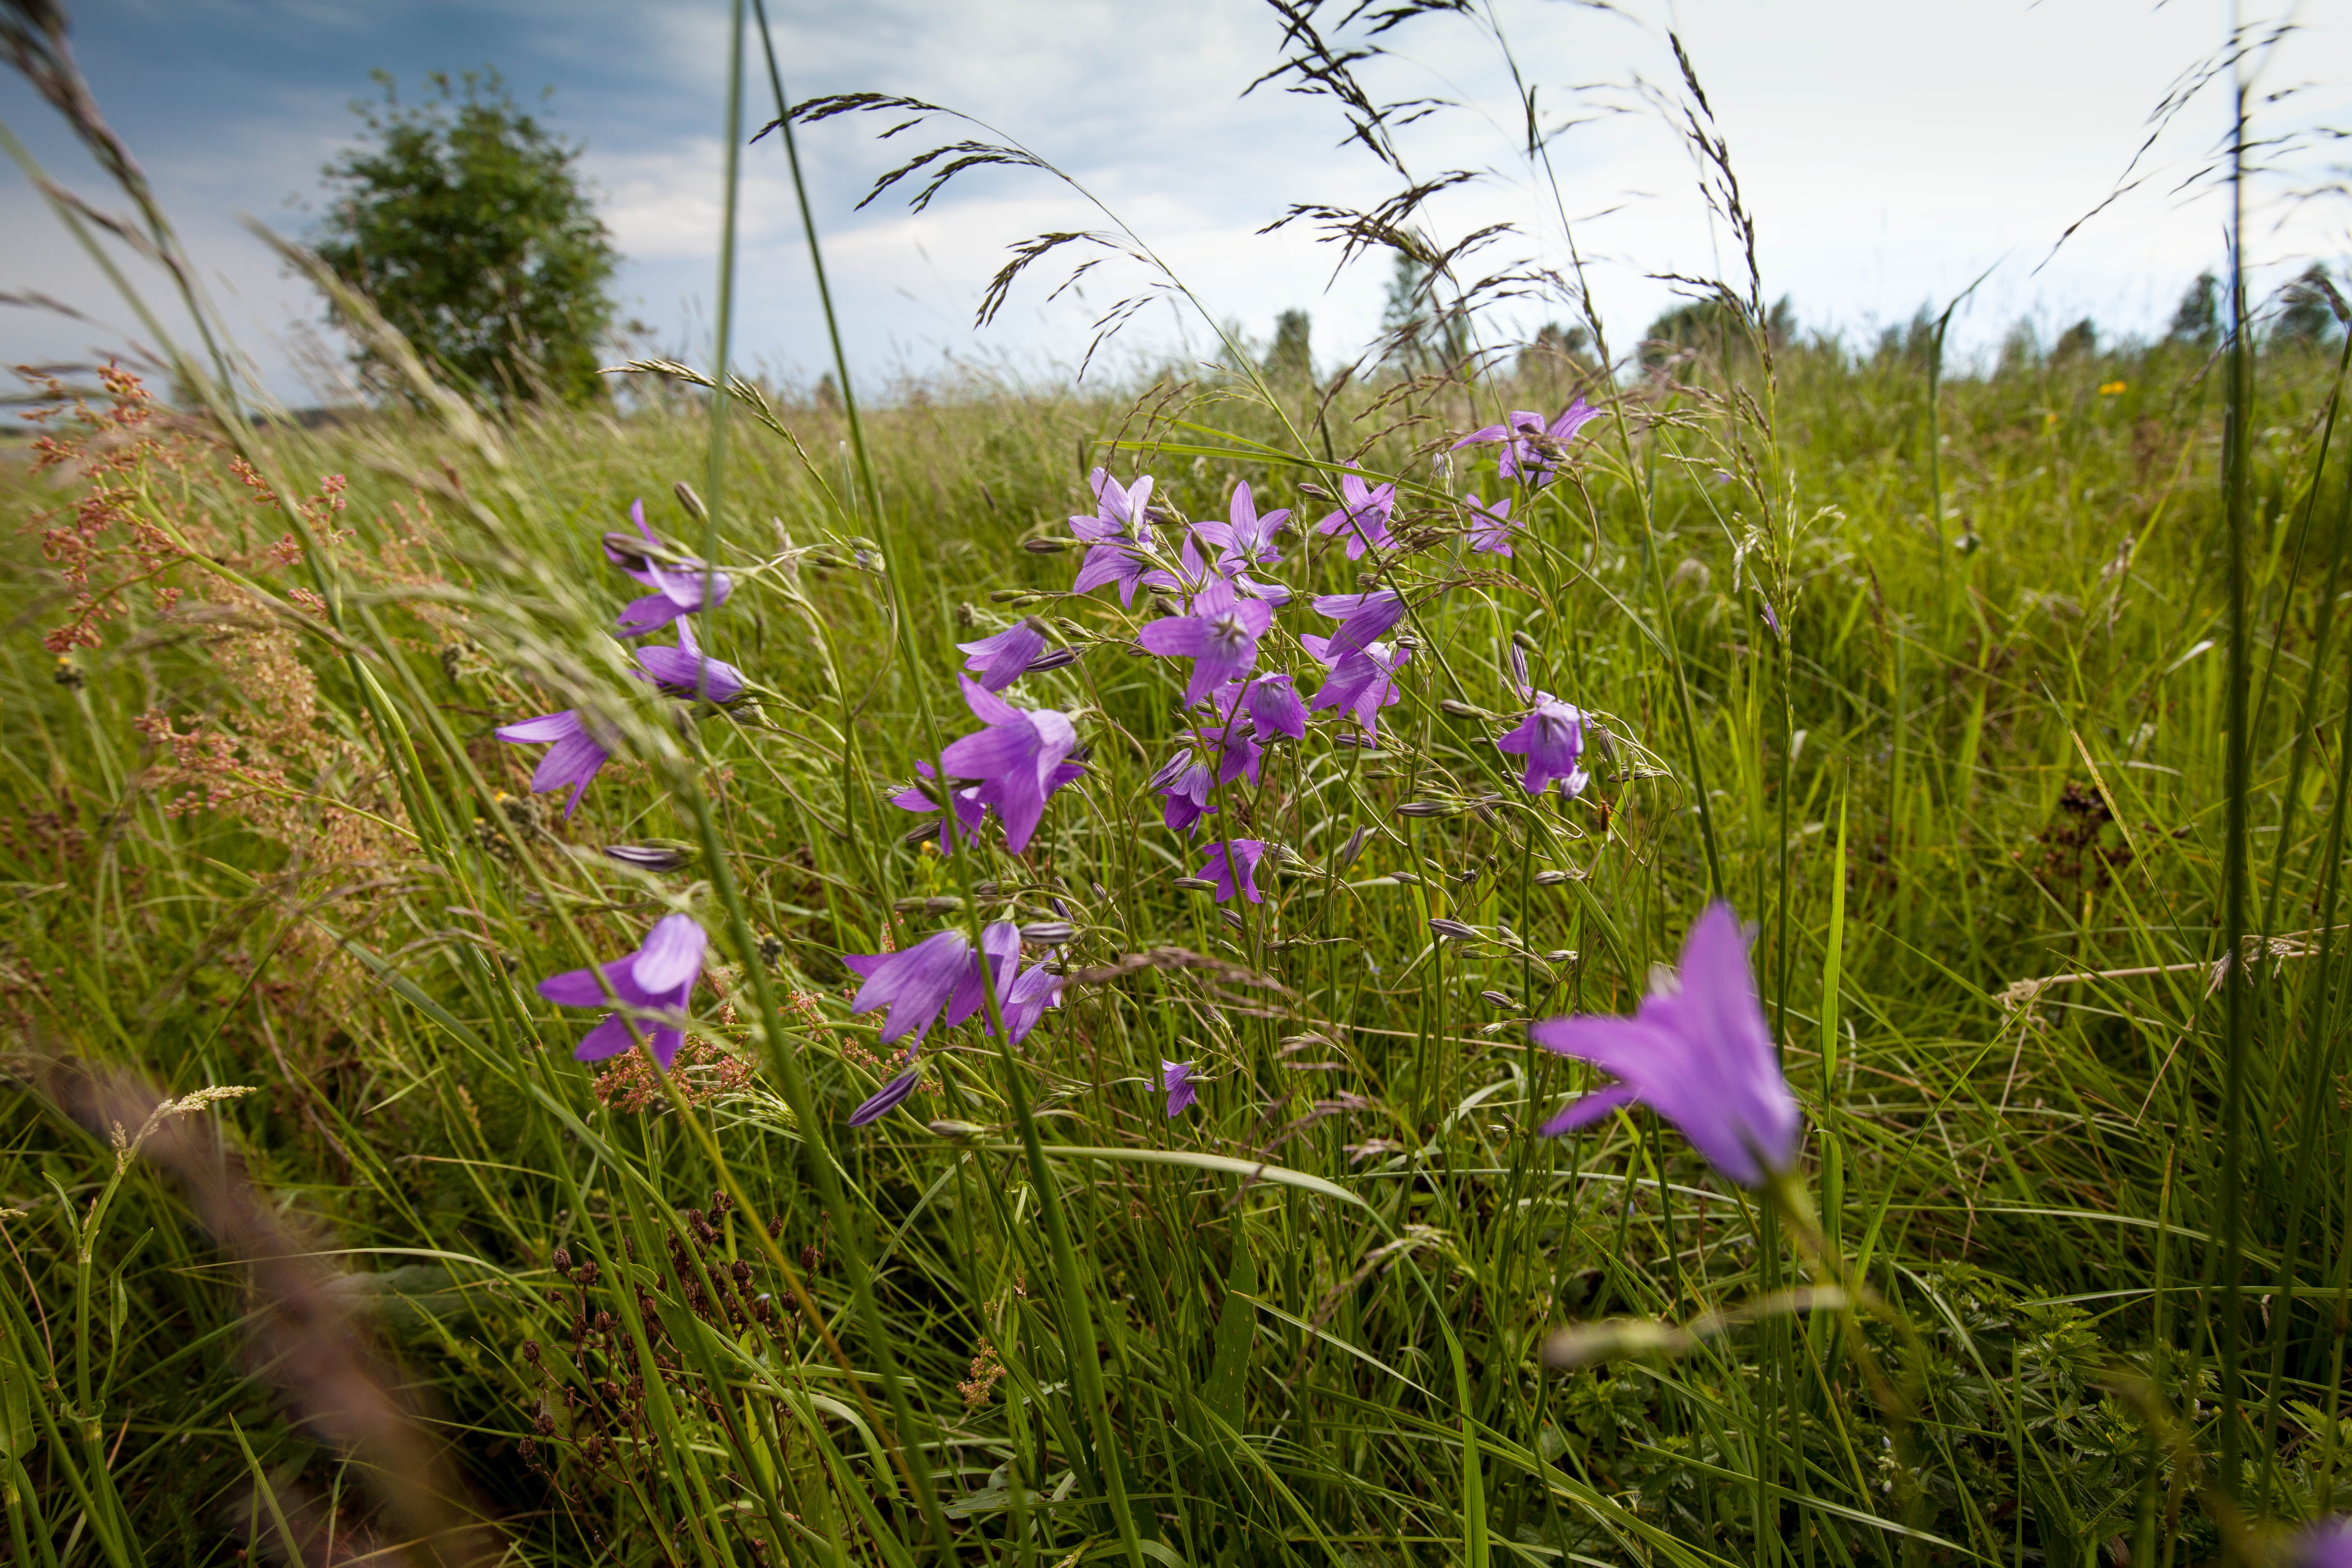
column 2197, row 318
column 1292, row 357
column 467, row 222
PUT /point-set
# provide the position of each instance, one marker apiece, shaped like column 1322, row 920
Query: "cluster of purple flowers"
column 582, row 743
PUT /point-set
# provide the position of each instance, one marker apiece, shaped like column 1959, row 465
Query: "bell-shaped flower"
column 1183, row 786
column 1532, row 449
column 939, row 974
column 1248, row 540
column 1552, row 737
column 680, row 587
column 1036, row 989
column 1364, row 619
column 1363, row 516
column 1018, row 759
column 2326, row 1544
column 686, row 671
column 1114, row 536
column 1699, row 1053
column 572, row 761
column 1233, row 864
column 657, row 979
column 1219, row 636
column 969, row 811
column 1274, row 708
column 1491, row 527
column 998, row 661
column 1361, row 684
column 1176, row 1079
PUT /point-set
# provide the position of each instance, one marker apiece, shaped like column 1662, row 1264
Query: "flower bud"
column 691, row 501
column 1048, row 934
column 1552, row 878
column 1499, row 999
column 1196, row 884
column 1429, row 808
column 660, row 855
column 1055, row 659
column 1047, row 545
column 939, row 906
column 1350, row 850
column 1454, row 929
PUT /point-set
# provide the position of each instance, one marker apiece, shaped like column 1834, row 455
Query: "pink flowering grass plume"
column 679, row 589
column 1219, row 635
column 1233, row 865
column 1363, row 516
column 1018, row 757
column 1361, row 684
column 1176, row 1081
column 969, row 811
column 1248, row 540
column 658, row 978
column 1552, row 737
column 1491, row 527
column 686, row 671
column 1364, row 619
column 1696, row 1052
column 1532, row 449
column 998, row 661
column 2326, row 1544
column 570, row 762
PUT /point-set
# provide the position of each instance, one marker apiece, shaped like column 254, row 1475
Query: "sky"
column 1891, row 153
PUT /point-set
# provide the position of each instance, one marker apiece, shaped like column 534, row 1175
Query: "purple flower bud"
column 887, row 1098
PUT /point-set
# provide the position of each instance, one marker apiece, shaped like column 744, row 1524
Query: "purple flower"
column 1361, row 684
column 1001, row 660
column 1552, row 737
column 1018, row 758
column 1696, row 1052
column 968, row 808
column 1119, row 528
column 2326, row 1544
column 1532, row 448
column 1248, row 540
column 1036, row 989
column 887, row 1098
column 1185, row 785
column 658, row 977
column 572, row 760
column 1219, row 636
column 686, row 671
column 1363, row 516
column 941, row 972
column 1491, row 527
column 1364, row 619
column 680, row 590
column 1176, row 1077
column 1228, row 855
column 1274, row 708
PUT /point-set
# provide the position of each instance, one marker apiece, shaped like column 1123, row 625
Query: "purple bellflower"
column 1219, row 636
column 1120, row 525
column 1248, row 540
column 1232, row 862
column 968, row 808
column 887, row 1098
column 1000, row 661
column 572, row 760
column 1183, row 785
column 2326, row 1544
column 1363, row 516
column 1696, row 1052
column 1491, row 527
column 1019, row 759
column 686, row 671
column 1364, row 619
column 1362, row 684
column 658, row 977
column 1036, row 989
column 1274, row 708
column 678, row 590
column 1532, row 449
column 1552, row 737
column 1176, row 1078
column 939, row 973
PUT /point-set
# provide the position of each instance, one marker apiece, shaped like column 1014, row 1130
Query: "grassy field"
column 321, row 1243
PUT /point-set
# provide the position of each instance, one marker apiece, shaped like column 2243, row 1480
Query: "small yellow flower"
column 2110, row 388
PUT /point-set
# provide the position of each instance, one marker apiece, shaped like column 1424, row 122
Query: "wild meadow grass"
column 321, row 1243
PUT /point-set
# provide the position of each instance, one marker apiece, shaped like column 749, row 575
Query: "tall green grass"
column 1948, row 695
